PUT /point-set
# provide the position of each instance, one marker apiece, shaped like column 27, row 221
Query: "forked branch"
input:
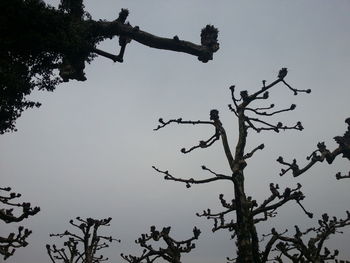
column 276, row 200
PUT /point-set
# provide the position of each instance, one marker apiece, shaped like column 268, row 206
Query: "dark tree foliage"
column 9, row 244
column 84, row 246
column 38, row 41
column 171, row 253
column 241, row 215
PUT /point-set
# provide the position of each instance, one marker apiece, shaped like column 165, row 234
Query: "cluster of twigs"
column 260, row 212
column 170, row 253
column 321, row 154
column 81, row 247
column 9, row 244
column 297, row 249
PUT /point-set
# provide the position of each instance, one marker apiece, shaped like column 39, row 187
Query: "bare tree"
column 314, row 250
column 248, row 212
column 82, row 247
column 9, row 244
column 171, row 253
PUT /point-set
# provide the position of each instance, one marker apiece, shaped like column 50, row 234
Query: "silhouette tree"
column 38, row 40
column 241, row 215
column 84, row 246
column 297, row 250
column 9, row 244
column 171, row 253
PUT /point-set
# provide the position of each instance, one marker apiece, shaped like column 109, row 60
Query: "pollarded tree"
column 241, row 215
column 295, row 248
column 170, row 253
column 37, row 40
column 84, row 246
column 9, row 244
column 309, row 245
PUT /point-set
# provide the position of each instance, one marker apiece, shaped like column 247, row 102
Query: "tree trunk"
column 245, row 227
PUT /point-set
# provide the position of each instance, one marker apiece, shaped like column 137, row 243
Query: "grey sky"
column 89, row 149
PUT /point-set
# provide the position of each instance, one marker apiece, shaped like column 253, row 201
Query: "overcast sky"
column 89, row 149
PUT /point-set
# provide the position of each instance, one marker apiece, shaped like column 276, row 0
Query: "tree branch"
column 202, row 143
column 289, row 194
column 321, row 154
column 312, row 250
column 191, row 181
column 9, row 244
column 204, row 52
column 171, row 253
column 219, row 218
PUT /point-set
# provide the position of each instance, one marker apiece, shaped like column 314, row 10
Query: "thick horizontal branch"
column 117, row 28
column 93, row 32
